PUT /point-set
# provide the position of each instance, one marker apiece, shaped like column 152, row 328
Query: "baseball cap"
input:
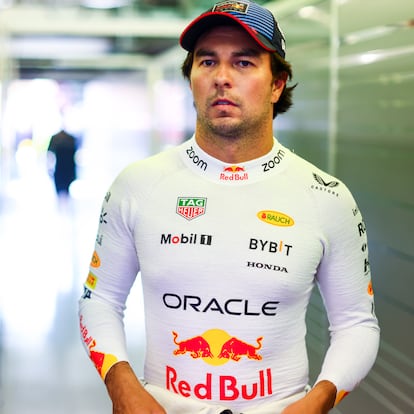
column 258, row 22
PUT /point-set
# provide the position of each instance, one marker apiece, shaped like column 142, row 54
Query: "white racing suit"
column 228, row 256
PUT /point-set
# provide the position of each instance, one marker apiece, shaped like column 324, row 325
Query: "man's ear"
column 279, row 84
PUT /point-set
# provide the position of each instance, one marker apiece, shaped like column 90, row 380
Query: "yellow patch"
column 276, row 218
column 91, row 281
column 96, row 261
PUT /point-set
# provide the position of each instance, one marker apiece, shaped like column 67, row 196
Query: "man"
column 230, row 232
column 63, row 147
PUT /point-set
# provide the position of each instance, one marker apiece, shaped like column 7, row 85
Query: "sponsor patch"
column 91, row 281
column 234, row 173
column 96, row 261
column 276, row 218
column 216, row 347
column 231, row 6
column 191, row 207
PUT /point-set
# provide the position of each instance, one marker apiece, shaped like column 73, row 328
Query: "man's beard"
column 232, row 128
column 229, row 130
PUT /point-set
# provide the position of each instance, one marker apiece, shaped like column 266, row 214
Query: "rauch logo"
column 276, row 218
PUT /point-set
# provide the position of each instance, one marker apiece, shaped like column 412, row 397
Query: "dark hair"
column 279, row 67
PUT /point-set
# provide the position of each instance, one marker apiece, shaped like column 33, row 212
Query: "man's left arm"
column 344, row 280
column 319, row 400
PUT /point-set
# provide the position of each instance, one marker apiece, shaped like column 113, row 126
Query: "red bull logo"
column 233, row 169
column 228, row 387
column 234, row 173
column 217, row 347
column 198, row 347
column 235, row 349
column 101, row 361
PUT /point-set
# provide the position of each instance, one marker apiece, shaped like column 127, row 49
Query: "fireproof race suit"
column 228, row 256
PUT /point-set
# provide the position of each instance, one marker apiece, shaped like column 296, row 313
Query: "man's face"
column 232, row 83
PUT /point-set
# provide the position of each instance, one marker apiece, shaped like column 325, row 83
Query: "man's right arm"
column 127, row 393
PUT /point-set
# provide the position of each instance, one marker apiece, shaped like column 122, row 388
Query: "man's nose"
column 222, row 76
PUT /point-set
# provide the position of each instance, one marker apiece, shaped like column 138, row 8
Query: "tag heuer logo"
column 191, row 207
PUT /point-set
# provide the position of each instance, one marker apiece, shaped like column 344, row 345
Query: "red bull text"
column 216, row 347
column 228, row 386
column 234, row 173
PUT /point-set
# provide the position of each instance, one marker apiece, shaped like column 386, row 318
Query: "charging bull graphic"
column 235, row 349
column 198, row 347
column 217, row 347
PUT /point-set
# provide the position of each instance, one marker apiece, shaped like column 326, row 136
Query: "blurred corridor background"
column 108, row 72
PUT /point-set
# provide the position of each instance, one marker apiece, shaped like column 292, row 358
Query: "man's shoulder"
column 324, row 185
column 157, row 164
column 150, row 170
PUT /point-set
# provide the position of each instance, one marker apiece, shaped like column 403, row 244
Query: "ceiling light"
column 105, row 4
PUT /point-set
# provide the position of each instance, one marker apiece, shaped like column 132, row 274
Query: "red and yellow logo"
column 91, row 281
column 276, row 218
column 340, row 396
column 95, row 261
column 217, row 347
column 370, row 288
column 102, row 362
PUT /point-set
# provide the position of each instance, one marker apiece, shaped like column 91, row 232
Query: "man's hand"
column 127, row 394
column 319, row 400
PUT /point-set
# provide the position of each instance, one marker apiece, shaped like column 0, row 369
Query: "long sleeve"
column 113, row 269
column 344, row 280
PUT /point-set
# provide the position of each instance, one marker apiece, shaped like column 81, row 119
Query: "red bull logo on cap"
column 217, row 347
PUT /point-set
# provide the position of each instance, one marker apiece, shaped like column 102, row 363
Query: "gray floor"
column 45, row 249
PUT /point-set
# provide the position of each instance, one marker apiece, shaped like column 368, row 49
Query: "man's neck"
column 235, row 150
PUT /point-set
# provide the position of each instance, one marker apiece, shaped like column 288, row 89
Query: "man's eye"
column 244, row 63
column 207, row 62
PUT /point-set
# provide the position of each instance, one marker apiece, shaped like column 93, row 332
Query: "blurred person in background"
column 230, row 232
column 62, row 163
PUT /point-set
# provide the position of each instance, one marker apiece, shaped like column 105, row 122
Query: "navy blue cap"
column 258, row 22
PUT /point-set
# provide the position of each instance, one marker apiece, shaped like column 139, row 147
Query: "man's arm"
column 127, row 394
column 344, row 281
column 319, row 400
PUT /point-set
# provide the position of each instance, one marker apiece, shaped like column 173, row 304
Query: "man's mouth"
column 223, row 102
